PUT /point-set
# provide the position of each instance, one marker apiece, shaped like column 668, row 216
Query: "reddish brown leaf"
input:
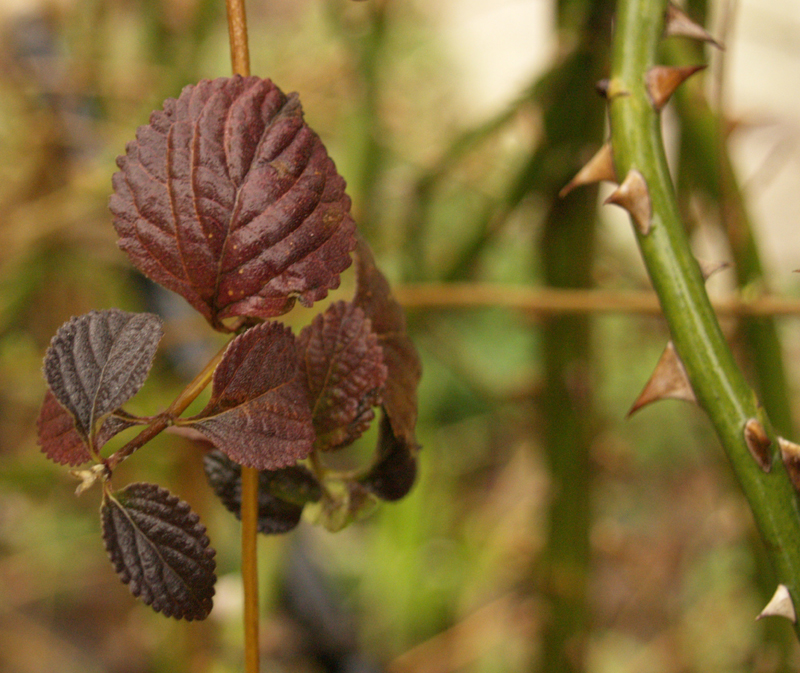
column 59, row 439
column 62, row 443
column 228, row 198
column 343, row 365
column 404, row 368
column 258, row 414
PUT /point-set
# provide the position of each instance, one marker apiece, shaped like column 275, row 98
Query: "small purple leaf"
column 228, row 198
column 343, row 365
column 96, row 362
column 258, row 414
column 160, row 550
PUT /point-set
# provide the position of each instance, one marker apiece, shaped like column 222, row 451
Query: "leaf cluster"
column 228, row 198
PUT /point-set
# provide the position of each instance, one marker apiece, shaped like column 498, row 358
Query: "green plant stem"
column 240, row 64
column 572, row 122
column 718, row 384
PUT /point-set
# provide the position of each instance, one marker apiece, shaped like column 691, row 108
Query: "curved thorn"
column 780, row 605
column 790, row 455
column 668, row 381
column 678, row 24
column 662, row 80
column 758, row 443
column 599, row 167
column 633, row 196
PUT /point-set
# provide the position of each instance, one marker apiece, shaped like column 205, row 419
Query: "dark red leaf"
column 160, row 550
column 374, row 296
column 59, row 439
column 228, row 198
column 258, row 414
column 281, row 493
column 96, row 362
column 62, row 443
column 343, row 365
column 395, row 468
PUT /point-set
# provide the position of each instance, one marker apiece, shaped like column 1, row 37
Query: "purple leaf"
column 374, row 296
column 96, row 362
column 343, row 365
column 62, row 443
column 59, row 439
column 228, row 198
column 160, row 550
column 282, row 493
column 258, row 414
column 395, row 468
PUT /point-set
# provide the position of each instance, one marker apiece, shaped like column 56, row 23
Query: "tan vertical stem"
column 237, row 35
column 240, row 62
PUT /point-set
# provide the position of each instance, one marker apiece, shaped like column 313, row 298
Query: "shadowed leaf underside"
column 282, row 493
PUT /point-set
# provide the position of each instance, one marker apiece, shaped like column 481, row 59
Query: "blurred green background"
column 546, row 532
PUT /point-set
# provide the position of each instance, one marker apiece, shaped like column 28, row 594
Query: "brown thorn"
column 758, row 443
column 599, row 167
column 678, row 24
column 662, row 80
column 633, row 196
column 708, row 269
column 780, row 605
column 790, row 454
column 668, row 381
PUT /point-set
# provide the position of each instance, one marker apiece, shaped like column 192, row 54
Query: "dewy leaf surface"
column 343, row 365
column 97, row 361
column 229, row 198
column 374, row 296
column 259, row 414
column 160, row 550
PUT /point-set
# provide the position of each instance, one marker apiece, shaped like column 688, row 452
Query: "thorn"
column 668, row 381
column 758, row 443
column 662, row 80
column 678, row 24
column 633, row 196
column 780, row 605
column 790, row 454
column 599, row 167
column 708, row 269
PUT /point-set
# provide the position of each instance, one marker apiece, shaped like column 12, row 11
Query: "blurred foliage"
column 442, row 580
